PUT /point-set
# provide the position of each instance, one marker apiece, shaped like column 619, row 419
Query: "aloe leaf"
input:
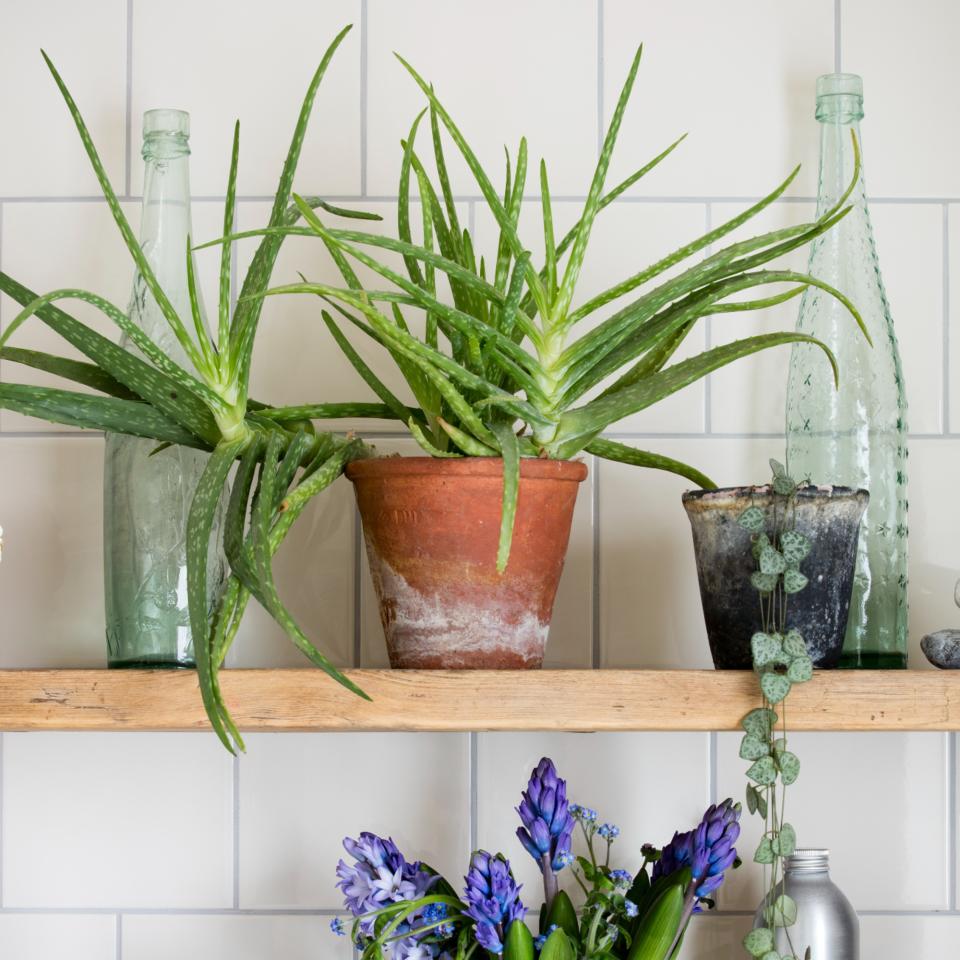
column 203, row 337
column 335, row 411
column 369, row 377
column 549, row 241
column 229, row 211
column 761, row 304
column 442, row 175
column 403, row 200
column 234, row 528
column 87, row 374
column 247, row 315
column 611, row 450
column 561, row 305
column 513, row 207
column 142, row 341
column 127, row 368
column 336, row 211
column 509, row 450
column 469, row 445
column 143, row 265
column 199, row 530
column 296, row 450
column 95, row 413
column 578, row 426
column 426, row 444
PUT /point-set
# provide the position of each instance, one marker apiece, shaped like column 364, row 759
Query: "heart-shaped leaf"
column 764, row 852
column 800, row 670
column 793, row 581
column 785, row 842
column 759, row 942
column 784, row 486
column 753, row 748
column 763, row 770
column 759, row 542
column 752, row 798
column 783, row 913
column 759, row 722
column 752, row 519
column 771, row 560
column 775, row 686
column 794, row 645
column 772, row 955
column 764, row 582
column 794, row 546
column 766, row 649
column 789, row 764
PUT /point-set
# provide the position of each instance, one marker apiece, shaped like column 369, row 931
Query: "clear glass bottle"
column 826, row 922
column 855, row 436
column 147, row 495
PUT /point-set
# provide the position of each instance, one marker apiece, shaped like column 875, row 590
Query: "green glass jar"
column 857, row 435
column 147, row 494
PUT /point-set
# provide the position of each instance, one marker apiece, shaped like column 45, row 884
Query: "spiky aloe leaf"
column 334, row 411
column 510, row 451
column 229, row 212
column 87, row 374
column 427, row 445
column 611, row 450
column 468, row 444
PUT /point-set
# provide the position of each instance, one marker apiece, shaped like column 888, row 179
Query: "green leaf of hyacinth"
column 766, row 648
column 795, row 546
column 764, row 853
column 753, row 748
column 87, row 374
column 510, row 451
column 621, row 453
column 661, row 924
column 759, row 942
column 759, row 722
column 793, row 581
column 800, row 670
column 558, row 947
column 771, row 560
column 518, row 943
column 753, row 520
column 789, row 765
column 785, row 842
column 133, row 372
column 563, row 914
column 203, row 509
column 91, row 412
column 763, row 771
column 775, row 686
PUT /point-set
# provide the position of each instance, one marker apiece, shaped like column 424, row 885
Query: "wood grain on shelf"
column 572, row 700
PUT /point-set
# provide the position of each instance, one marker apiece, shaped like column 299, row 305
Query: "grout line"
column 708, row 335
column 236, row 832
column 128, row 118
column 837, row 37
column 474, row 790
column 357, row 587
column 952, row 820
column 946, row 319
column 600, row 68
column 119, row 937
column 595, row 618
column 472, row 217
column 363, row 98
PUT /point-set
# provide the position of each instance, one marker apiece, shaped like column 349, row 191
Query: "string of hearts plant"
column 781, row 660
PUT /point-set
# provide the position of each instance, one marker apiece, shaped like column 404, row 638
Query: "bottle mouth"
column 839, row 97
column 166, row 123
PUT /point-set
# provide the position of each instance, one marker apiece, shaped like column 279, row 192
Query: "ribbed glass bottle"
column 147, row 495
column 855, row 436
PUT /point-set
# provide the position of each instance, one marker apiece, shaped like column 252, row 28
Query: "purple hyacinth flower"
column 493, row 899
column 707, row 850
column 547, row 829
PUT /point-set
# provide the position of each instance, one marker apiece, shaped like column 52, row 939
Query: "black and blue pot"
column 828, row 516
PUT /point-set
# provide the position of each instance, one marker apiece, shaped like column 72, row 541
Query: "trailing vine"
column 780, row 659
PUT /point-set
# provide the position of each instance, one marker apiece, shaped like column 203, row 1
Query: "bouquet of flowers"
column 407, row 911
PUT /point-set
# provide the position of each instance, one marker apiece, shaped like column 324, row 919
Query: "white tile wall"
column 141, row 847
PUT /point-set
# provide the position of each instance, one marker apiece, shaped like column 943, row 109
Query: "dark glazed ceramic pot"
column 828, row 516
column 431, row 528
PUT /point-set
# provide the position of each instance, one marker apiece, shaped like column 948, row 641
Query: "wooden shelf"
column 571, row 700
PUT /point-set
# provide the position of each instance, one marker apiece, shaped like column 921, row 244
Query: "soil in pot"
column 431, row 529
column 828, row 516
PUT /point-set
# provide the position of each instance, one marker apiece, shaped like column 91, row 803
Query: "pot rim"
column 399, row 466
column 728, row 496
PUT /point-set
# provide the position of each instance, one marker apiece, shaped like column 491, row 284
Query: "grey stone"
column 942, row 649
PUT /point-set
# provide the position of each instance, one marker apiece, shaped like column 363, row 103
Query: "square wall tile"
column 571, row 631
column 544, row 90
column 892, row 938
column 244, row 60
column 50, row 246
column 610, row 772
column 738, row 76
column 713, row 936
column 237, row 937
column 862, row 776
column 650, row 610
column 933, row 520
column 40, row 937
column 920, row 39
column 114, row 820
column 953, row 332
column 51, row 585
column 87, row 43
column 314, row 574
column 301, row 794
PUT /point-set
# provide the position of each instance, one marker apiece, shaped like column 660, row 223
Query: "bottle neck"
column 807, row 863
column 165, row 218
column 838, row 160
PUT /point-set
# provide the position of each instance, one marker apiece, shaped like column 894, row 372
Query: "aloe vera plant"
column 511, row 368
column 283, row 461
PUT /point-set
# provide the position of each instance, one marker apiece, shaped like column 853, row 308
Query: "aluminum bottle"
column 826, row 922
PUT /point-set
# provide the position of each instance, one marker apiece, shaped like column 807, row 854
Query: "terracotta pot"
column 828, row 516
column 431, row 527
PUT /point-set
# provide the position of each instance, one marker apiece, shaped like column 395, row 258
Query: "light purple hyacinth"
column 493, row 899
